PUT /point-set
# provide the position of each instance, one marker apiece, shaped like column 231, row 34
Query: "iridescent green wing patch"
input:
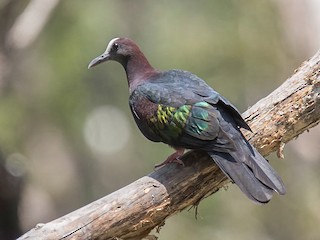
column 169, row 122
column 202, row 123
column 198, row 120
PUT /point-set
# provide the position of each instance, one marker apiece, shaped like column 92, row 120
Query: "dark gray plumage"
column 178, row 108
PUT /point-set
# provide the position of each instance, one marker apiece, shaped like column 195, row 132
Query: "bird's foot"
column 175, row 157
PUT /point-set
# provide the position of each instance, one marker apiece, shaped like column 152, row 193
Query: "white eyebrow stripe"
column 110, row 45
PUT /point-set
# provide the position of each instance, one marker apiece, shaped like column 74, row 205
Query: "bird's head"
column 118, row 49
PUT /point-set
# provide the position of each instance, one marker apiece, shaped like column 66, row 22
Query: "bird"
column 178, row 108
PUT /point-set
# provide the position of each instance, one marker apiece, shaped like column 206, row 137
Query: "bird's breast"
column 143, row 110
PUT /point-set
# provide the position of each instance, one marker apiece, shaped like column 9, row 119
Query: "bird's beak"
column 102, row 58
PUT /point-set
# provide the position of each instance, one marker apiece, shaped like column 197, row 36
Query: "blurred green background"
column 67, row 136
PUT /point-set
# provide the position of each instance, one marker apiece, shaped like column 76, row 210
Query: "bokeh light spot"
column 106, row 130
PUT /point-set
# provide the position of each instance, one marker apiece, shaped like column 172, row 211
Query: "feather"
column 178, row 108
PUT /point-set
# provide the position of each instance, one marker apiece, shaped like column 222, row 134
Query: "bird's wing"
column 187, row 110
column 178, row 87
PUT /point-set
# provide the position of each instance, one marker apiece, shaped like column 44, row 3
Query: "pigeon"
column 180, row 109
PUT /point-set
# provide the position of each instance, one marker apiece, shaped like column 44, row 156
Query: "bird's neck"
column 138, row 70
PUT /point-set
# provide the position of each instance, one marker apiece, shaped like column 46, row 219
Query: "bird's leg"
column 173, row 158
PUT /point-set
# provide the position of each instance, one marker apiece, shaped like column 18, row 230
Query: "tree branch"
column 133, row 211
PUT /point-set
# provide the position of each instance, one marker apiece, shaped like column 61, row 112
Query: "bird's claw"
column 176, row 160
column 173, row 158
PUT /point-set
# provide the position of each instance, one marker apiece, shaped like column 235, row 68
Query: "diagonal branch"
column 133, row 211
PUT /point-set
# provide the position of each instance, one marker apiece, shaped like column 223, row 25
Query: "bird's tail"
column 250, row 171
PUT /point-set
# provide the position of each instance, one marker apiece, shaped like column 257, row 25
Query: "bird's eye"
column 115, row 47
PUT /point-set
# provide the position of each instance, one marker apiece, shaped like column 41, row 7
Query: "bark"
column 133, row 211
